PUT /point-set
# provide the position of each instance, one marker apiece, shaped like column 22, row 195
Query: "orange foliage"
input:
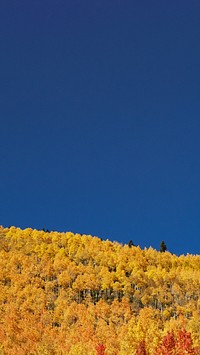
column 177, row 345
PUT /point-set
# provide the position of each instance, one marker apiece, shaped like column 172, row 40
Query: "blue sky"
column 100, row 119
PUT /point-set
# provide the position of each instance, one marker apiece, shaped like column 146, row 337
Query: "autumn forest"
column 65, row 293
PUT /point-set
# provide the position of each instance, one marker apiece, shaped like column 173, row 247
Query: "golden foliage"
column 65, row 293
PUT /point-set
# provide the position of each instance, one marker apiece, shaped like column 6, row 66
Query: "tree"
column 177, row 345
column 100, row 348
column 141, row 349
column 163, row 247
column 168, row 345
column 130, row 244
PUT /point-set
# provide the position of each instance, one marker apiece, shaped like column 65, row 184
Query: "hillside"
column 65, row 293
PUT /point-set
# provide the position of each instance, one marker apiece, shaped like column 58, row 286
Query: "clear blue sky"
column 100, row 119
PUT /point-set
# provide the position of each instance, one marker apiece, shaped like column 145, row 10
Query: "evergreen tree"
column 163, row 247
column 130, row 244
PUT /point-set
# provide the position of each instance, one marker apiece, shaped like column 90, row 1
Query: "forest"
column 66, row 293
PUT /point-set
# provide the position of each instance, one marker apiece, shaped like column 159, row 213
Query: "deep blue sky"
column 100, row 119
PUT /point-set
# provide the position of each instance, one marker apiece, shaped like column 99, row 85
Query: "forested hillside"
column 65, row 293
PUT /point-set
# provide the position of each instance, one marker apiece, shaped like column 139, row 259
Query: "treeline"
column 65, row 293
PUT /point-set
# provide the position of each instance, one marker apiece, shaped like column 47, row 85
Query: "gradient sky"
column 100, row 119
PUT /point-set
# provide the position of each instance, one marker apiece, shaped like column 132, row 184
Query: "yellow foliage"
column 65, row 293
